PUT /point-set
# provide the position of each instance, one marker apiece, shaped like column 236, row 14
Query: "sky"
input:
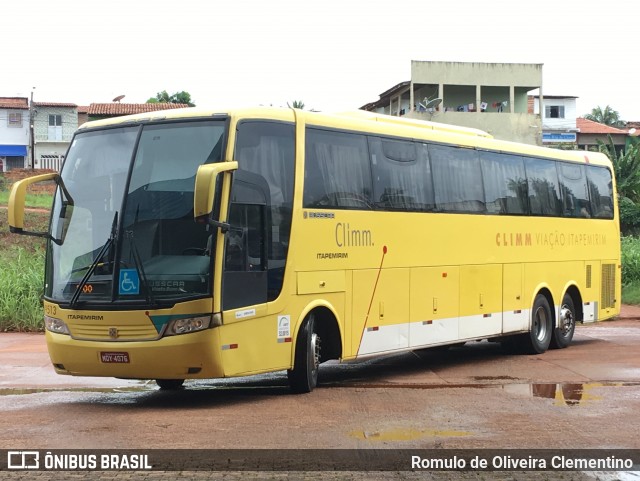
column 333, row 55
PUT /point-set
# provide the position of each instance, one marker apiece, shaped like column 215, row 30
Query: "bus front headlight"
column 55, row 325
column 190, row 324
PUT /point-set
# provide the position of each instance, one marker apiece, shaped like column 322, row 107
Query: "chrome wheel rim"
column 315, row 352
column 540, row 324
column 566, row 320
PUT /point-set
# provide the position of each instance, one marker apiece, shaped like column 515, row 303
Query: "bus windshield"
column 122, row 221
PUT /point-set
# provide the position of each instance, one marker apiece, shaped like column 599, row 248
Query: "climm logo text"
column 513, row 239
column 348, row 237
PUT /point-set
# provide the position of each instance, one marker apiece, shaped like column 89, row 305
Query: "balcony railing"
column 45, row 138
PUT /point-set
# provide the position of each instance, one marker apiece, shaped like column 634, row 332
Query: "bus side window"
column 505, row 183
column 401, row 175
column 600, row 187
column 457, row 179
column 244, row 240
column 337, row 171
column 244, row 280
column 544, row 191
column 573, row 185
column 267, row 149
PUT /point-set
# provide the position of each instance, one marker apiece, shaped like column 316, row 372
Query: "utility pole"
column 32, row 142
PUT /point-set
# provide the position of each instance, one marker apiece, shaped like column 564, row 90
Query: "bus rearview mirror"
column 205, row 187
column 17, row 199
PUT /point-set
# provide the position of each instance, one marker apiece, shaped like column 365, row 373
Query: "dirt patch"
column 630, row 313
column 18, row 174
column 36, row 220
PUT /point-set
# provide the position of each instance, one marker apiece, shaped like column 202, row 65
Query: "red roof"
column 591, row 127
column 14, row 103
column 83, row 109
column 54, row 104
column 117, row 108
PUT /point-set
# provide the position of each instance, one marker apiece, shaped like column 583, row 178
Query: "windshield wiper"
column 137, row 262
column 105, row 248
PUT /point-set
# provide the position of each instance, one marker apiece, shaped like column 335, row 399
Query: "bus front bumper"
column 188, row 356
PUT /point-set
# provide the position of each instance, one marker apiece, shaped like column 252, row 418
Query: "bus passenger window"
column 600, row 191
column 573, row 185
column 544, row 192
column 505, row 183
column 401, row 175
column 337, row 171
column 457, row 179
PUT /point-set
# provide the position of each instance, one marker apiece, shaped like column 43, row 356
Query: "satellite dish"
column 432, row 104
column 118, row 98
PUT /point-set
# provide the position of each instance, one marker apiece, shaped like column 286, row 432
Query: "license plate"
column 115, row 357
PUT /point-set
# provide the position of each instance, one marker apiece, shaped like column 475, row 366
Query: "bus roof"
column 424, row 124
column 367, row 122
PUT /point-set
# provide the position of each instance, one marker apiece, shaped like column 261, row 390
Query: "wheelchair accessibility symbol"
column 129, row 283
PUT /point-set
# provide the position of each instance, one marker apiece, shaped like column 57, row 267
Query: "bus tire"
column 537, row 340
column 170, row 384
column 304, row 375
column 566, row 325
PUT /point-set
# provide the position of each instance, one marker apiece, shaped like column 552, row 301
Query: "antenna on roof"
column 118, row 98
column 430, row 105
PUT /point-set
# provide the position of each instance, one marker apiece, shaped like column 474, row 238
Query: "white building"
column 489, row 96
column 14, row 133
column 558, row 120
column 53, row 126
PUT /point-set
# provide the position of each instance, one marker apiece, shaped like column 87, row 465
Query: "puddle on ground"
column 111, row 390
column 405, row 434
column 565, row 394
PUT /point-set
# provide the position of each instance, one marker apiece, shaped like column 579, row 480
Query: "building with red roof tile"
column 590, row 132
column 117, row 109
column 14, row 132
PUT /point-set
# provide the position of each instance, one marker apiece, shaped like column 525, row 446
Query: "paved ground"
column 587, row 396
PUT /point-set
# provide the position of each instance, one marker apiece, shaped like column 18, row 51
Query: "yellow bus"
column 204, row 244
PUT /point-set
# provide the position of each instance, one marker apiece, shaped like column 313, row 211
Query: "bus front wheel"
column 566, row 325
column 304, row 375
column 537, row 340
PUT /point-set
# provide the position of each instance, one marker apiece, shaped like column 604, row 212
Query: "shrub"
column 21, row 282
column 630, row 260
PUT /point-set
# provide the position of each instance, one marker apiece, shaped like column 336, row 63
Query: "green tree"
column 296, row 104
column 626, row 167
column 606, row 116
column 176, row 98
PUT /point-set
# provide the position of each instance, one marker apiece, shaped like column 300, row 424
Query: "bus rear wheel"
column 537, row 340
column 304, row 375
column 170, row 384
column 566, row 325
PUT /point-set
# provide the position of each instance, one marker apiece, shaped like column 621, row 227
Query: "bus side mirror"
column 16, row 203
column 205, row 188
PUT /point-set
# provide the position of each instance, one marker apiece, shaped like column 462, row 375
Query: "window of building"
column 554, row 111
column 15, row 119
column 55, row 127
